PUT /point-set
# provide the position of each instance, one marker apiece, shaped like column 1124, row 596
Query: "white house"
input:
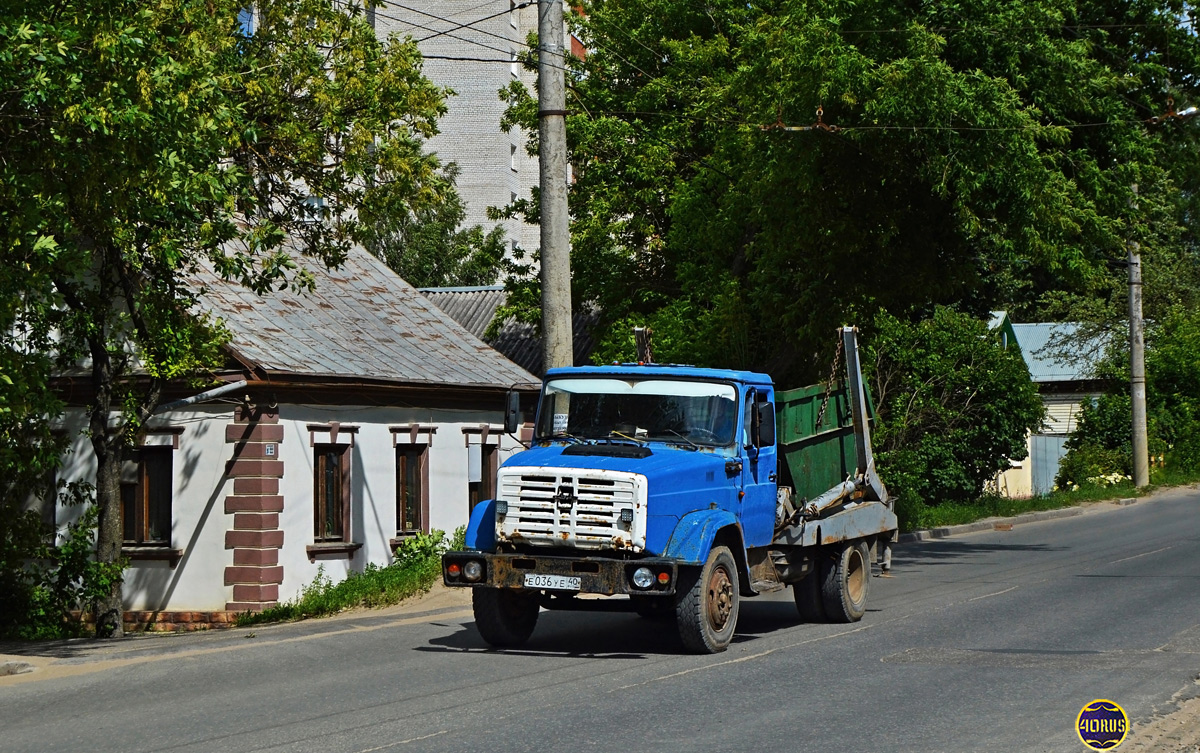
column 1063, row 367
column 347, row 419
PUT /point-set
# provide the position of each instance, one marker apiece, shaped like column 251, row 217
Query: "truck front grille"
column 573, row 508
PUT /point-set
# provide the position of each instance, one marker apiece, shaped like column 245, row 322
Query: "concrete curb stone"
column 944, row 532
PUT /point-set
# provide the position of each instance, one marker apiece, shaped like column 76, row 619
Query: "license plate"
column 553, row 582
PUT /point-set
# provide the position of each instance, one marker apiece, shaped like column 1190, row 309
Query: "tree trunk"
column 108, row 608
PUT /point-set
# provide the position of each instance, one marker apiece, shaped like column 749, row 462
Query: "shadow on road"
column 601, row 635
column 949, row 552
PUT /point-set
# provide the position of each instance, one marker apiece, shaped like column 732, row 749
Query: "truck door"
column 757, row 508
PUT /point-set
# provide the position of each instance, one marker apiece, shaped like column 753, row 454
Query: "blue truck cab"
column 657, row 485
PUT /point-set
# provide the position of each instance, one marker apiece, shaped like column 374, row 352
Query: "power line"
column 449, row 34
column 469, row 24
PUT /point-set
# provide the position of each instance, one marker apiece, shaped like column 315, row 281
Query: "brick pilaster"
column 253, row 510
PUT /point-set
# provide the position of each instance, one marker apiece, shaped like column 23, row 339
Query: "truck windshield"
column 685, row 412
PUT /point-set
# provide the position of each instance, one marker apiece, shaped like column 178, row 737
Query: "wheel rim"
column 720, row 598
column 856, row 577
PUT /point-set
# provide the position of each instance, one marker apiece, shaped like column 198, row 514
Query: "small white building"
column 1063, row 366
column 349, row 418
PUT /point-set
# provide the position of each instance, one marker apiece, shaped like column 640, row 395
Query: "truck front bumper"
column 528, row 572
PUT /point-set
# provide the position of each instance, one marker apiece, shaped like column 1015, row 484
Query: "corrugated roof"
column 472, row 307
column 361, row 321
column 475, row 307
column 1054, row 353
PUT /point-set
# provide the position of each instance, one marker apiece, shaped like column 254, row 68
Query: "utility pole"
column 1137, row 362
column 557, row 349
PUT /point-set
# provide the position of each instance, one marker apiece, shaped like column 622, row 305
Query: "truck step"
column 767, row 586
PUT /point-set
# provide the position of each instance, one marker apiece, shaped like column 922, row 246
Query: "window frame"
column 405, row 452
column 489, row 466
column 321, row 452
column 142, row 493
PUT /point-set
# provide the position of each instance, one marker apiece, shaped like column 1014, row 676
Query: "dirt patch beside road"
column 1176, row 732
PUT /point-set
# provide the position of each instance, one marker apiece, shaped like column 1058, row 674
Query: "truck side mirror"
column 512, row 412
column 765, row 424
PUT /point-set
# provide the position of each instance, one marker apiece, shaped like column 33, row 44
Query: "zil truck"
column 676, row 492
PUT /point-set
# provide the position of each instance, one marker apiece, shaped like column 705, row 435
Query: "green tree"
column 953, row 405
column 144, row 138
column 1101, row 443
column 428, row 246
column 984, row 152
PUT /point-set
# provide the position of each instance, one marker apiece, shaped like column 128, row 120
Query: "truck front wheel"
column 846, row 583
column 706, row 613
column 504, row 617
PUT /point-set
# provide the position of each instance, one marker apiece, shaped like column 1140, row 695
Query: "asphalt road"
column 987, row 641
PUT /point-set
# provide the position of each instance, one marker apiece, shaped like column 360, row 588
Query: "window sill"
column 332, row 548
column 400, row 538
column 152, row 553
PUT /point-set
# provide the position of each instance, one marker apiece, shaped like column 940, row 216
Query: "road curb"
column 944, row 532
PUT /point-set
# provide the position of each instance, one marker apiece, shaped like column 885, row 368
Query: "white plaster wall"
column 1017, row 481
column 199, row 522
column 373, row 481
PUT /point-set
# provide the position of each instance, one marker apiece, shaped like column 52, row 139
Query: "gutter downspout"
column 224, row 389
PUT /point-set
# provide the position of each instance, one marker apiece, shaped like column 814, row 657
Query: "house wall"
column 194, row 581
column 242, row 514
column 373, row 479
column 1061, row 418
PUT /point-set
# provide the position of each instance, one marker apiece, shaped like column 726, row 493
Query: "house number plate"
column 554, row 582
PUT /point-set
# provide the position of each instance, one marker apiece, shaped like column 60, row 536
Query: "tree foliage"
column 953, row 405
column 1101, row 443
column 428, row 246
column 143, row 138
column 984, row 153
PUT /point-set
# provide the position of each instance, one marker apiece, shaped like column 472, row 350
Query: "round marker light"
column 453, row 569
column 472, row 571
column 643, row 578
column 664, row 578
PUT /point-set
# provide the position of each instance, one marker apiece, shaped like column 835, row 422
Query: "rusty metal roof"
column 361, row 321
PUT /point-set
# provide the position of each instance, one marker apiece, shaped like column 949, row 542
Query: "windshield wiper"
column 692, row 444
column 635, row 440
column 562, row 437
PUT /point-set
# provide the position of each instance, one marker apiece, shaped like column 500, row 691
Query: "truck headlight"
column 472, row 570
column 501, row 507
column 627, row 515
column 643, row 577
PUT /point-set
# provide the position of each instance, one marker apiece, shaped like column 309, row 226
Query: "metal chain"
column 837, row 359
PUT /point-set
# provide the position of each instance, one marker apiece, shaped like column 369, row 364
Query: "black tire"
column 846, row 583
column 504, row 617
column 654, row 607
column 706, row 612
column 807, row 593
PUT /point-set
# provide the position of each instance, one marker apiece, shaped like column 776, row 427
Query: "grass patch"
column 915, row 515
column 417, row 566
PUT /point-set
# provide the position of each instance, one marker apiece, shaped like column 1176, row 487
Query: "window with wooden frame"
column 146, row 490
column 331, row 492
column 483, row 465
column 412, row 500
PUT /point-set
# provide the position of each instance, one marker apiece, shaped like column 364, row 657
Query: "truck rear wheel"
column 706, row 613
column 504, row 617
column 846, row 582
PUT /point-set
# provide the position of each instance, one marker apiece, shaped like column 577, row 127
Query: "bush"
column 46, row 588
column 953, row 406
column 416, row 567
